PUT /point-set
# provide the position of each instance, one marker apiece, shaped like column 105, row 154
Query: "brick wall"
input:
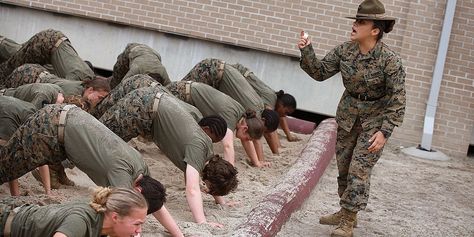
column 273, row 26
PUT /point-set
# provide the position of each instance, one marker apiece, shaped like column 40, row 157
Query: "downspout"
column 432, row 104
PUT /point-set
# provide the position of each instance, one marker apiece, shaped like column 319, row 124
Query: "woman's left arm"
column 395, row 86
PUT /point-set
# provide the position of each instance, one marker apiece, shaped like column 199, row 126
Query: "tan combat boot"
column 333, row 219
column 61, row 174
column 345, row 227
column 52, row 176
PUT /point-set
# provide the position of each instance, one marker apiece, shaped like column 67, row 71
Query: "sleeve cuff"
column 307, row 50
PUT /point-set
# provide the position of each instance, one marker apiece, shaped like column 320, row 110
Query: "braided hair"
column 271, row 120
column 216, row 124
column 286, row 100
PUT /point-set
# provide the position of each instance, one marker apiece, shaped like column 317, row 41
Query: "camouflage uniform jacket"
column 374, row 82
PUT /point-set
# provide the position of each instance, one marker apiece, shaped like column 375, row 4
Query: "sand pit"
column 254, row 184
column 409, row 197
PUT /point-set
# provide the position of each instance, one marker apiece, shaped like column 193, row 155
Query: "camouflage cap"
column 373, row 10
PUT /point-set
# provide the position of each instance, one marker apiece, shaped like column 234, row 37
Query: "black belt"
column 364, row 97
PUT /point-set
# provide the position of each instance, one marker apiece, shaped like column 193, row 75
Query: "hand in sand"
column 293, row 138
column 232, row 203
column 263, row 164
column 214, row 224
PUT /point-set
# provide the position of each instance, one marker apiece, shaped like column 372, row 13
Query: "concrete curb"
column 274, row 210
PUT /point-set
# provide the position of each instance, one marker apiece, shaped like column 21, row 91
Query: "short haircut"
column 221, row 176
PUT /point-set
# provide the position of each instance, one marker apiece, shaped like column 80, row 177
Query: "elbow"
column 228, row 145
column 193, row 192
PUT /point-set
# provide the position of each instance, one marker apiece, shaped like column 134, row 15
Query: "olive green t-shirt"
column 179, row 136
column 39, row 94
column 98, row 152
column 192, row 110
column 213, row 102
column 13, row 113
column 236, row 86
column 267, row 94
column 67, row 64
column 73, row 220
column 145, row 60
column 69, row 87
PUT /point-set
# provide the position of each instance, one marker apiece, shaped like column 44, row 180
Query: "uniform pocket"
column 374, row 78
column 346, row 69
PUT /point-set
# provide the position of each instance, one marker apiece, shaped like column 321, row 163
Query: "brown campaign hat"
column 373, row 10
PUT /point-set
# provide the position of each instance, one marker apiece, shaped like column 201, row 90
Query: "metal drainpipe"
column 428, row 126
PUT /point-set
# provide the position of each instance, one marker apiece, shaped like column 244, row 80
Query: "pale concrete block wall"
column 273, row 26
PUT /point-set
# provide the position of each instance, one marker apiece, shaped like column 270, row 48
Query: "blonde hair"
column 119, row 200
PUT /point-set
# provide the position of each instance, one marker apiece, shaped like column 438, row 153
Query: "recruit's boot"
column 61, row 174
column 52, row 176
column 345, row 227
column 333, row 219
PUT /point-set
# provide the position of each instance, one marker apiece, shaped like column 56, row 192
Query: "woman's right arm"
column 319, row 70
column 251, row 151
column 167, row 221
column 228, row 142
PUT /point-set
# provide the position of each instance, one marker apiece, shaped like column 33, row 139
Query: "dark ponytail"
column 286, row 100
column 154, row 193
column 383, row 28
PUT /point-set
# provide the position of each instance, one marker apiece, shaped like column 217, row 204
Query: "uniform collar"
column 373, row 53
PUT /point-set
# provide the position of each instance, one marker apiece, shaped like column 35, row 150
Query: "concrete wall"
column 101, row 42
column 273, row 26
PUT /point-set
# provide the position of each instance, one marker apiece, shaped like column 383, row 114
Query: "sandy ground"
column 409, row 197
column 253, row 185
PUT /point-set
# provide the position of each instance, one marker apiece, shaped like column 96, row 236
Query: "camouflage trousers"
column 178, row 89
column 355, row 164
column 28, row 74
column 34, row 144
column 147, row 61
column 132, row 115
column 49, row 46
column 123, row 88
column 24, row 74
